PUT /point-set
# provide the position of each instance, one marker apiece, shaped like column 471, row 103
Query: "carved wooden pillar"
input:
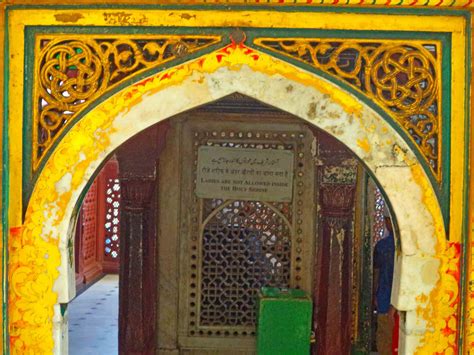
column 136, row 331
column 138, row 271
column 335, row 289
column 337, row 175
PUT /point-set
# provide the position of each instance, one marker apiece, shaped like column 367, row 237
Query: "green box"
column 284, row 322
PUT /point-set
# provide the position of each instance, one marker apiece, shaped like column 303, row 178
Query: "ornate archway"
column 46, row 237
column 305, row 36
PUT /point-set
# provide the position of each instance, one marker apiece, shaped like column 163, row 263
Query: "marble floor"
column 93, row 319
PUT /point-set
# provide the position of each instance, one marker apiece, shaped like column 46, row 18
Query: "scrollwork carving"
column 404, row 78
column 72, row 71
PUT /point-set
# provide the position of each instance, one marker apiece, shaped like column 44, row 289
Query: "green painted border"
column 463, row 286
column 442, row 191
column 29, row 178
column 446, row 99
column 5, row 191
column 27, row 134
column 364, row 340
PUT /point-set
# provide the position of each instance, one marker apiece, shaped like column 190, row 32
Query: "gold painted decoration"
column 337, row 3
column 469, row 299
column 34, row 250
column 73, row 70
column 443, row 313
column 403, row 78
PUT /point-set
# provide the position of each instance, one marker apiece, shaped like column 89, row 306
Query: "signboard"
column 245, row 174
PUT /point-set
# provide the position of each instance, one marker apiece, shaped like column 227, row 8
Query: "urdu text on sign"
column 245, row 174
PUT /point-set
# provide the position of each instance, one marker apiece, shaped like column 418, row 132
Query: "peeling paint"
column 234, row 68
column 72, row 17
column 364, row 144
column 312, row 110
column 64, row 184
column 186, row 16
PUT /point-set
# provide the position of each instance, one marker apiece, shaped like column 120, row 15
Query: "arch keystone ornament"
column 39, row 267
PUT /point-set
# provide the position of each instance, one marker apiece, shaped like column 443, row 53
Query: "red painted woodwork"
column 138, row 272
column 334, row 301
column 91, row 261
column 396, row 334
column 109, row 217
column 136, row 301
column 333, row 284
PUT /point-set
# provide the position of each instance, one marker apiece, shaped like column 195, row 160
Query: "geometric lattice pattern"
column 379, row 221
column 246, row 245
column 73, row 70
column 89, row 225
column 403, row 78
column 112, row 220
column 243, row 245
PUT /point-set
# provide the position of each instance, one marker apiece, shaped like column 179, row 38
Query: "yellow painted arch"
column 39, row 265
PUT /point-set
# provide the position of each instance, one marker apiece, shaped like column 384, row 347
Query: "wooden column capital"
column 137, row 160
column 337, row 200
column 137, row 192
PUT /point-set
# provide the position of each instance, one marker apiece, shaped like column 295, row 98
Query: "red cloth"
column 396, row 327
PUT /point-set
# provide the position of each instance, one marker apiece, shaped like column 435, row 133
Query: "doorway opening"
column 93, row 313
column 193, row 256
column 93, row 318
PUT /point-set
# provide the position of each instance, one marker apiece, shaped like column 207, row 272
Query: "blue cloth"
column 383, row 260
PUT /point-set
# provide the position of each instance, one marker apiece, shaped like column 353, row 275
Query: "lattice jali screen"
column 112, row 219
column 89, row 225
column 246, row 245
column 238, row 246
column 379, row 223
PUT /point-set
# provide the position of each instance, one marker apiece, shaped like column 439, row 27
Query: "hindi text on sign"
column 245, row 174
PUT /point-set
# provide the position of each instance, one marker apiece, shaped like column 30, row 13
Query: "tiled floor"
column 93, row 319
